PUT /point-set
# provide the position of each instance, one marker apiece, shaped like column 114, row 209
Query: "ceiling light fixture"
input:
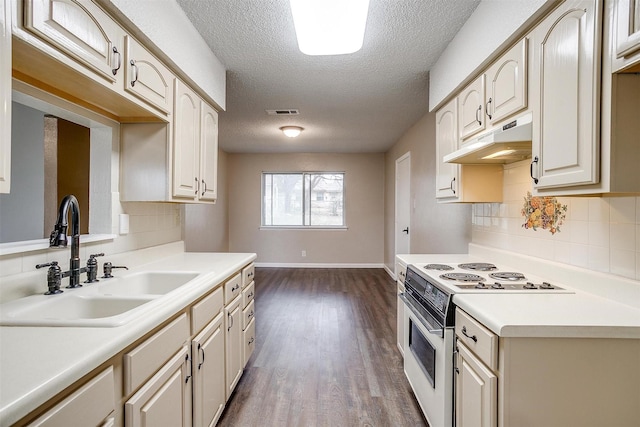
column 291, row 131
column 329, row 27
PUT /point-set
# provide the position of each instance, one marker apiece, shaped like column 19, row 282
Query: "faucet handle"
column 107, row 267
column 54, row 277
column 92, row 268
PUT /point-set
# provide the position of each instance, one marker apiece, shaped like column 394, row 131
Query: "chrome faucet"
column 58, row 238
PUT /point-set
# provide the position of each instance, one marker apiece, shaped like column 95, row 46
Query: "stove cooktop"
column 487, row 277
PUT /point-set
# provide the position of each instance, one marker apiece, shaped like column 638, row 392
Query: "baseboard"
column 389, row 272
column 317, row 265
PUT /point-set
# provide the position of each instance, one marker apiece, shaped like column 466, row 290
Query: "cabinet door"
column 146, row 77
column 233, row 344
column 628, row 29
column 208, row 153
column 470, row 109
column 446, row 142
column 165, row 400
column 208, row 374
column 80, row 29
column 476, row 392
column 507, row 84
column 566, row 132
column 5, row 96
column 186, row 141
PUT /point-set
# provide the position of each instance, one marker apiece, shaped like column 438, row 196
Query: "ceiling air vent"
column 284, row 112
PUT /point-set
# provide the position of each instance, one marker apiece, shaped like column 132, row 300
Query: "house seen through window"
column 303, row 199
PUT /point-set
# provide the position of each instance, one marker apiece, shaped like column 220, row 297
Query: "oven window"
column 423, row 351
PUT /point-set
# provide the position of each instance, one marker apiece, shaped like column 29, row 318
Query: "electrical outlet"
column 304, row 253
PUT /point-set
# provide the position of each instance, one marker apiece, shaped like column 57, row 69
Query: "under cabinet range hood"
column 510, row 143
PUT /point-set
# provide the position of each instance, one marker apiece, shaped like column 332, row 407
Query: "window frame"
column 306, row 200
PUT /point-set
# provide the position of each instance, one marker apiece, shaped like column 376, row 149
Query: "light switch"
column 124, row 224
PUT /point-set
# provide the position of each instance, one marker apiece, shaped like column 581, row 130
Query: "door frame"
column 405, row 156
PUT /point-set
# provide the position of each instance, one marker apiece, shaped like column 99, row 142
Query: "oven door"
column 428, row 365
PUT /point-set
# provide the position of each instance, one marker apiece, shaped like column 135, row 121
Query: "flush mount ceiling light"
column 291, row 131
column 329, row 27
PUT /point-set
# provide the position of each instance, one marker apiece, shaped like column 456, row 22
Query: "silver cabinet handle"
column 486, row 108
column 479, row 110
column 535, row 160
column 451, row 185
column 231, row 325
column 250, row 315
column 471, row 337
column 197, row 185
column 251, row 341
column 235, row 288
column 204, row 187
column 135, row 68
column 115, row 52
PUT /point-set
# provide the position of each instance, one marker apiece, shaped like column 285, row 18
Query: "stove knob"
column 530, row 285
column 480, row 285
column 497, row 285
column 546, row 285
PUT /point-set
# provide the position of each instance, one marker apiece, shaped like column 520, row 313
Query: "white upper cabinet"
column 146, row 77
column 81, row 29
column 627, row 46
column 5, row 96
column 507, row 84
column 566, row 74
column 446, row 142
column 471, row 108
column 195, row 142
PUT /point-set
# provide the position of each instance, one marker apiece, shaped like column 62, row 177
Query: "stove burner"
column 507, row 275
column 478, row 266
column 462, row 277
column 441, row 267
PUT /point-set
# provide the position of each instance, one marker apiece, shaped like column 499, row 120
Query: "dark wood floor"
column 326, row 353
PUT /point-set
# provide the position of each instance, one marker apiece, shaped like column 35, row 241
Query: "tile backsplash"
column 150, row 224
column 598, row 233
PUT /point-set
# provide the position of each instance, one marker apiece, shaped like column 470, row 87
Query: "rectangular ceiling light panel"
column 329, row 27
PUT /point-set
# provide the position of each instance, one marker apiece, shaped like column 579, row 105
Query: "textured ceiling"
column 361, row 102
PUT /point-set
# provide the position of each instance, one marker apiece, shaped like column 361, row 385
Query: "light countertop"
column 37, row 362
column 602, row 306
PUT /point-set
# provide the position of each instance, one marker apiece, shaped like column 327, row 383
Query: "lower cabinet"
column 233, row 344
column 543, row 381
column 207, row 350
column 182, row 374
column 164, row 400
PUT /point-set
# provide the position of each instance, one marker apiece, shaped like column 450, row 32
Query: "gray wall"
column 22, row 210
column 435, row 227
column 206, row 227
column 361, row 244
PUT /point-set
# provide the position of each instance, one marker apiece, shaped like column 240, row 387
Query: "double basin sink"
column 107, row 303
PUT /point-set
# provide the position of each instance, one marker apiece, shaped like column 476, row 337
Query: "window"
column 303, row 199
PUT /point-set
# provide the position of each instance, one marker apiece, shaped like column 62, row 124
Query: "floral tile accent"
column 543, row 212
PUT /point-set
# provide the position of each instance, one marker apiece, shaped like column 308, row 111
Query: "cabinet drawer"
column 247, row 274
column 248, row 314
column 477, row 338
column 206, row 309
column 148, row 357
column 249, row 335
column 232, row 288
column 248, row 294
column 92, row 404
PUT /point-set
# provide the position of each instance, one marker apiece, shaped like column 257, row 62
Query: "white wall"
column 360, row 245
column 489, row 28
column 600, row 233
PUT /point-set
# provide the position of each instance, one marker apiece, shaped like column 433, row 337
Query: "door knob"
column 406, row 230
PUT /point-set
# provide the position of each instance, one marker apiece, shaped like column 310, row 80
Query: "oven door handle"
column 430, row 328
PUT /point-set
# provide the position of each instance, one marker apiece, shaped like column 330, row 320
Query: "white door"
column 403, row 204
